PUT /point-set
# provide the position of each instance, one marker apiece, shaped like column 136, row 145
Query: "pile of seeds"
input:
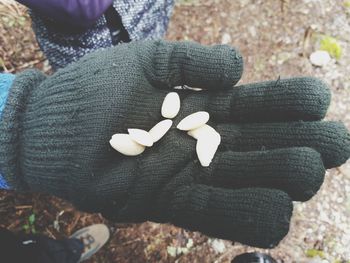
column 136, row 141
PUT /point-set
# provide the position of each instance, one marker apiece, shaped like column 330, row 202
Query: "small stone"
column 340, row 200
column 320, row 58
column 322, row 228
column 226, row 39
column 189, row 243
column 218, row 246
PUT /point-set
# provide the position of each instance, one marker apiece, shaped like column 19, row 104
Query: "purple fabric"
column 81, row 13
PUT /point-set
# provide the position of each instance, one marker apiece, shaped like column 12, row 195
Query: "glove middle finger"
column 330, row 139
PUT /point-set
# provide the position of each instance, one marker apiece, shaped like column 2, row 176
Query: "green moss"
column 311, row 253
column 331, row 45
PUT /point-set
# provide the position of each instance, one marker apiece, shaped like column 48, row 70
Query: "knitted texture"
column 12, row 118
column 55, row 135
column 143, row 19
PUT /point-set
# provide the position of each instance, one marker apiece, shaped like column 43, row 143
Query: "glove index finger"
column 189, row 63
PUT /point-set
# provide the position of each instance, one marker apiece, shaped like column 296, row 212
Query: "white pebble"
column 141, row 136
column 320, row 58
column 160, row 129
column 322, row 228
column 340, row 200
column 193, row 121
column 124, row 144
column 218, row 245
column 206, row 148
column 203, row 130
column 226, row 39
column 171, row 105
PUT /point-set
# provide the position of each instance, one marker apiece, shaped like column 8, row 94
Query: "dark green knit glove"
column 55, row 133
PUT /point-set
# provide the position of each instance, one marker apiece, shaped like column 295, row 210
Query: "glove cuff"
column 11, row 127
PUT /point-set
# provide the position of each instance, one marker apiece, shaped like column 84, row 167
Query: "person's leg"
column 41, row 249
column 38, row 248
column 10, row 247
column 50, row 250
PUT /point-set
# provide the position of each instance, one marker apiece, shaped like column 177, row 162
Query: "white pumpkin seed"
column 207, row 145
column 203, row 130
column 171, row 105
column 160, row 129
column 125, row 145
column 141, row 136
column 206, row 148
column 193, row 121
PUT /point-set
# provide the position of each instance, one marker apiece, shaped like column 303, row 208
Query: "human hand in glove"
column 55, row 133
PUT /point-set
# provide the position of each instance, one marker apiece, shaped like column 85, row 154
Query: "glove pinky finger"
column 254, row 216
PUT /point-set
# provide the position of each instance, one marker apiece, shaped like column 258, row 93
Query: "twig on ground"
column 19, row 207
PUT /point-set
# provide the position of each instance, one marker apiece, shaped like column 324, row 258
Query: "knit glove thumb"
column 55, row 133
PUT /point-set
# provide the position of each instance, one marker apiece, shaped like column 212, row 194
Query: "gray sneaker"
column 93, row 238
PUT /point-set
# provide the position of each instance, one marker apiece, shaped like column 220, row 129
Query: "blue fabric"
column 3, row 184
column 5, row 84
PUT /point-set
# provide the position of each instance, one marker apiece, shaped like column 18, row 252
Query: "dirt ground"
column 276, row 38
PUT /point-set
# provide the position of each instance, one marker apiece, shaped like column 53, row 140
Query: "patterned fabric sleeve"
column 5, row 84
column 142, row 19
